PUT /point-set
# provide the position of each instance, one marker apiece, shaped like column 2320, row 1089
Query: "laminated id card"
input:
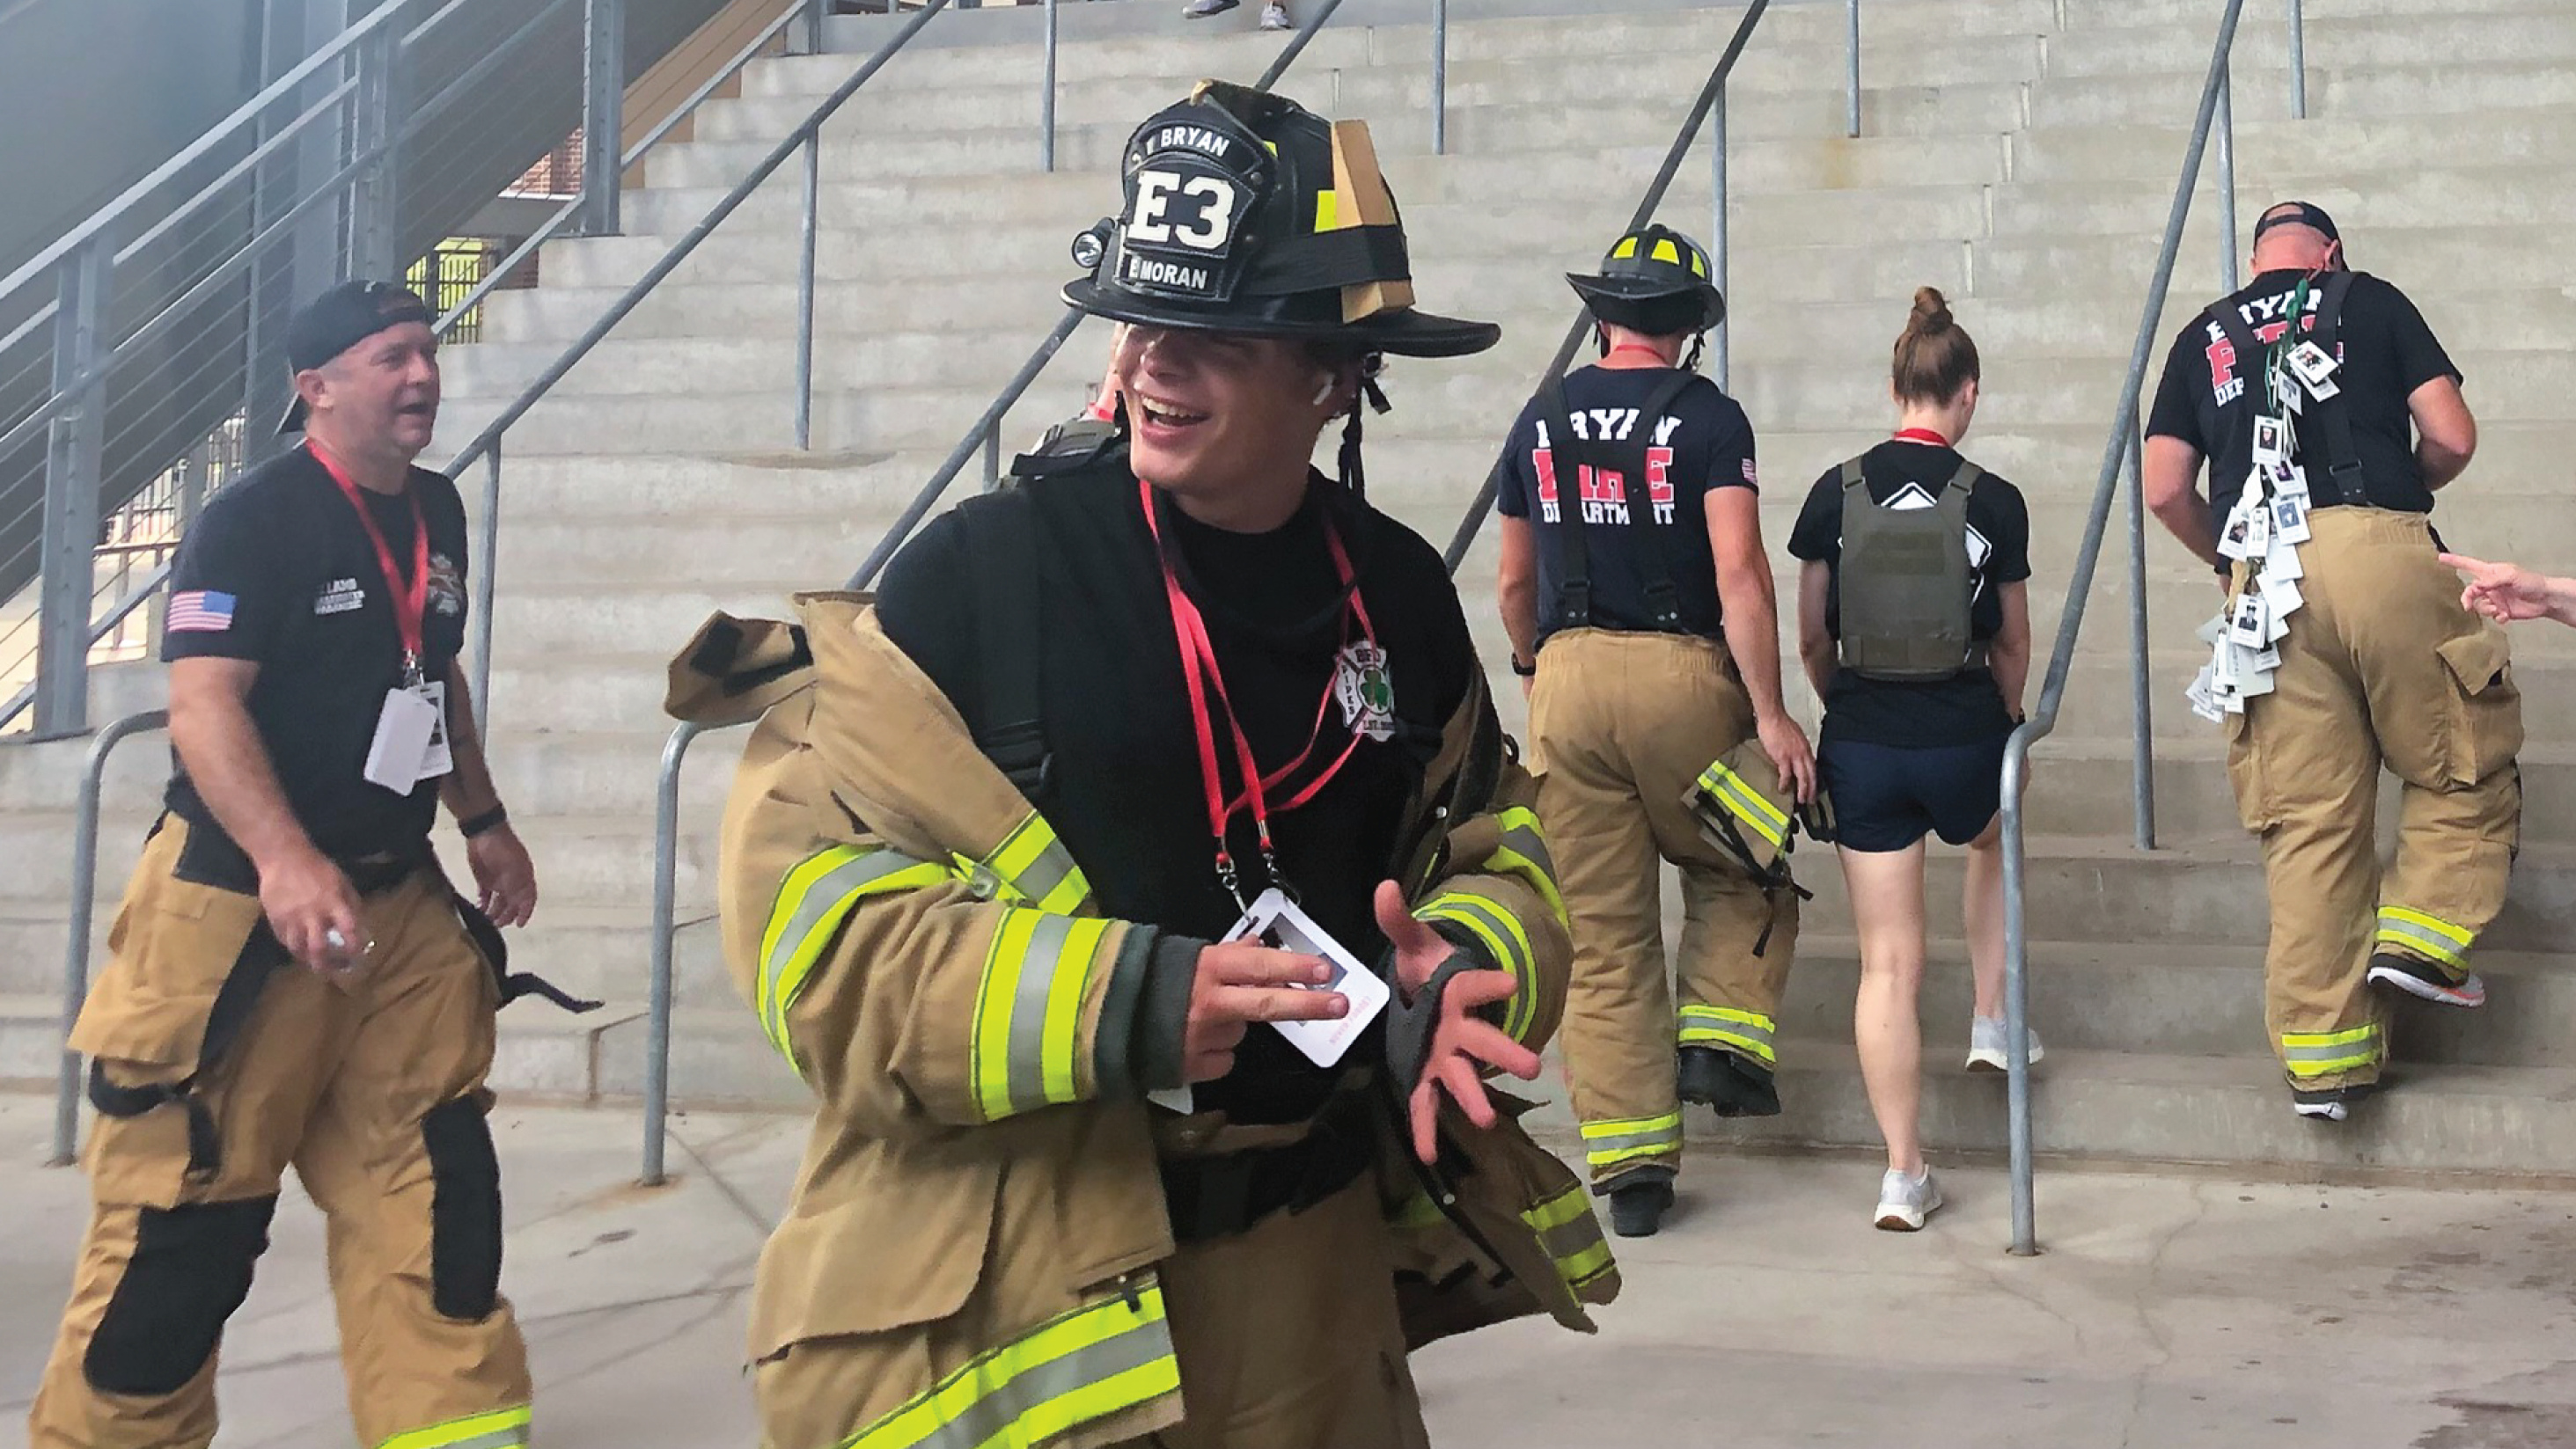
column 400, row 751
column 1275, row 921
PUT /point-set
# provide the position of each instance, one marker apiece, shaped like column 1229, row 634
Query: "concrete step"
column 2432, row 89
column 2181, row 1001
column 2203, row 1110
column 2541, row 136
column 2536, row 32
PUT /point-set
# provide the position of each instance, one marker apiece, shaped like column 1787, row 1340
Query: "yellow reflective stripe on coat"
column 2322, row 1054
column 1746, row 1031
column 2425, row 935
column 1032, row 865
column 499, row 1429
column 1609, row 1143
column 812, row 902
column 1502, row 935
column 1747, row 804
column 1572, row 1237
column 1098, row 1360
column 1028, row 1018
column 1524, row 853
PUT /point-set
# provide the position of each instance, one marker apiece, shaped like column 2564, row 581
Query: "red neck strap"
column 410, row 598
column 1921, row 435
column 1636, row 349
column 1206, row 684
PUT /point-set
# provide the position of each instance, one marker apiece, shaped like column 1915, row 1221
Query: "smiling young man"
column 1068, row 1182
column 294, row 979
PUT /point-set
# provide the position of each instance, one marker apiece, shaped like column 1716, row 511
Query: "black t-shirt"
column 2209, row 396
column 278, row 570
column 1967, row 707
column 1702, row 443
column 1125, row 792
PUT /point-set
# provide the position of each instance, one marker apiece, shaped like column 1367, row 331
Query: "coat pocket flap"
column 2478, row 661
column 882, row 1258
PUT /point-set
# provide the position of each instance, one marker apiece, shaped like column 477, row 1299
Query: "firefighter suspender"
column 1569, row 454
column 1001, row 548
column 2329, row 419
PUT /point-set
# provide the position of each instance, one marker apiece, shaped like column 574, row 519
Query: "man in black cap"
column 2329, row 415
column 295, row 982
column 1144, row 888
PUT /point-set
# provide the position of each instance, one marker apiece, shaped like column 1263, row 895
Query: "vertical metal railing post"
column 1851, row 67
column 74, row 442
column 2142, row 719
column 486, row 570
column 1046, row 98
column 1439, row 77
column 2228, row 277
column 808, row 227
column 1717, row 346
column 666, row 887
column 2298, row 61
column 67, row 1076
column 603, row 114
column 815, row 12
column 376, row 105
column 993, row 457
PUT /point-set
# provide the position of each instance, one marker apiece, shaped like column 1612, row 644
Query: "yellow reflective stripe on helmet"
column 1502, row 935
column 1699, row 262
column 2321, row 1054
column 1028, row 1018
column 812, row 902
column 1747, row 804
column 1748, row 1031
column 1098, row 1360
column 1627, row 247
column 1524, row 853
column 1665, row 251
column 499, row 1429
column 1606, row 1143
column 2429, row 935
column 1036, row 868
column 1572, row 1237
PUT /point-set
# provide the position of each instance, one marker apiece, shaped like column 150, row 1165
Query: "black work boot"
column 1639, row 1201
column 1728, row 1083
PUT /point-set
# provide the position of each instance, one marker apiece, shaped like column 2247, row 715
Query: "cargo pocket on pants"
column 464, row 1211
column 2255, row 804
column 2484, row 720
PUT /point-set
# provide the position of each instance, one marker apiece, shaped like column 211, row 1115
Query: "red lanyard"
column 1205, row 681
column 1637, row 350
column 1921, row 435
column 410, row 601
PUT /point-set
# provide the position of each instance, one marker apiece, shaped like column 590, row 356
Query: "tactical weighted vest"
column 1904, row 585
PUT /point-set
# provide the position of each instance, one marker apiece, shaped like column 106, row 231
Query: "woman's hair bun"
column 1931, row 311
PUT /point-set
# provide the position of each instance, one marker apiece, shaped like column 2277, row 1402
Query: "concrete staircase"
column 2019, row 154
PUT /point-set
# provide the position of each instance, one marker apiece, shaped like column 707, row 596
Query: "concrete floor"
column 2169, row 1311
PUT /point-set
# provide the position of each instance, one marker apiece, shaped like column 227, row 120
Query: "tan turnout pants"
column 1286, row 1335
column 372, row 1089
column 1621, row 727
column 2381, row 666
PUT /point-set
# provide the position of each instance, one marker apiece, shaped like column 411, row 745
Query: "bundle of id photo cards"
column 1275, row 921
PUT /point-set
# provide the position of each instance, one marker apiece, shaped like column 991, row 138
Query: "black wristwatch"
column 1525, row 671
column 483, row 824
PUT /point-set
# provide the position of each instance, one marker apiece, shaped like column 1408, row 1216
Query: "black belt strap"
column 1569, row 452
column 1220, row 1196
column 261, row 954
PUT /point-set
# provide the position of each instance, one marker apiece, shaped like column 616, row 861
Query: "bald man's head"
column 2296, row 236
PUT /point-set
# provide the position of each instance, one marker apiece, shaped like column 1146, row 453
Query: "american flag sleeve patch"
column 202, row 611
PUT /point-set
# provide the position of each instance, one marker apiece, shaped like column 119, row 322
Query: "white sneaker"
column 1904, row 1202
column 1986, row 1045
column 1274, row 16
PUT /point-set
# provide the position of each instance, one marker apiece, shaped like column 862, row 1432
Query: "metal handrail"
column 2123, row 445
column 247, row 113
column 487, row 443
column 1709, row 96
column 666, row 835
column 67, row 1077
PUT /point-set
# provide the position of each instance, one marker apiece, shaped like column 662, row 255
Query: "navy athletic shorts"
column 1887, row 796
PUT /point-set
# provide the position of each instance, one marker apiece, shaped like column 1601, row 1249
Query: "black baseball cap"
column 340, row 319
column 2298, row 213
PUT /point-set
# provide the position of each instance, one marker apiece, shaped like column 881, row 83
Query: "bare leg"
column 1887, row 906
column 1983, row 903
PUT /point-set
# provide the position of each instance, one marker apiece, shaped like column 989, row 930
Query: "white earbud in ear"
column 1324, row 393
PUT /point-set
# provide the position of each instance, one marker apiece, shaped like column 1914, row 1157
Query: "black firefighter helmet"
column 1656, row 281
column 1247, row 213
